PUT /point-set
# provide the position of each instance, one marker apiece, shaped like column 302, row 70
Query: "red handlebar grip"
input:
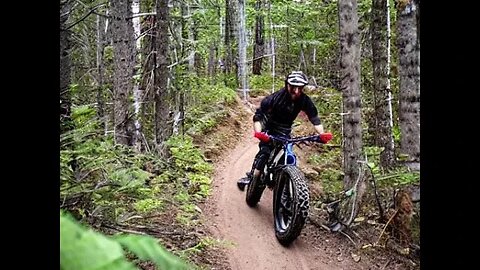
column 261, row 136
column 325, row 137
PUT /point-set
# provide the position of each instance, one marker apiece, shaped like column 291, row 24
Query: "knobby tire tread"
column 300, row 204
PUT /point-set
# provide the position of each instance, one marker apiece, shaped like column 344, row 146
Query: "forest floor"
column 246, row 235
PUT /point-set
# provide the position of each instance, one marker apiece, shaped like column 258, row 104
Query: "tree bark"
column 352, row 128
column 137, row 90
column 242, row 50
column 123, row 49
column 409, row 79
column 163, row 129
column 100, row 71
column 381, row 82
column 147, row 81
column 65, row 68
column 258, row 48
column 230, row 36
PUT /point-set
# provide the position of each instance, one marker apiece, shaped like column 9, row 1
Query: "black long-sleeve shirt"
column 278, row 111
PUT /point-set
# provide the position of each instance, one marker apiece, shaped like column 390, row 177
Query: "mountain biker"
column 275, row 116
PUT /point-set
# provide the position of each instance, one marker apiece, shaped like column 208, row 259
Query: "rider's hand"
column 325, row 137
column 261, row 136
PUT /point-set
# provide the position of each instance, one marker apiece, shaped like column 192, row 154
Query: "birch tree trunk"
column 163, row 129
column 352, row 128
column 242, row 50
column 381, row 81
column 137, row 91
column 122, row 38
column 258, row 48
column 409, row 79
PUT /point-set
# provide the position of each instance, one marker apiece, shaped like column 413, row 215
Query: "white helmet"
column 297, row 78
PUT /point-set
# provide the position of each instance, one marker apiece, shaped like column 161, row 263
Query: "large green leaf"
column 147, row 248
column 84, row 249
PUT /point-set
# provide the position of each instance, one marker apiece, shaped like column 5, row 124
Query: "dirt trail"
column 250, row 230
column 248, row 233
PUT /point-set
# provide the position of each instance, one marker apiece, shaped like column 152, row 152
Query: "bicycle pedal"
column 242, row 183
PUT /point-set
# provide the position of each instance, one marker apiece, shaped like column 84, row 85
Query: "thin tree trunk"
column 65, row 68
column 147, row 81
column 302, row 59
column 352, row 128
column 211, row 60
column 258, row 47
column 242, row 50
column 188, row 34
column 286, row 61
column 137, row 91
column 163, row 129
column 231, row 46
column 100, row 71
column 381, row 81
column 198, row 63
column 123, row 49
column 65, row 80
column 409, row 80
column 109, row 113
column 272, row 46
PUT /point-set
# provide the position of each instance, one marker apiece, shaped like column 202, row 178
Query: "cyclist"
column 275, row 116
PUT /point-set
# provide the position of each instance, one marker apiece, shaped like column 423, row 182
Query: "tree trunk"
column 272, row 46
column 258, row 48
column 242, row 50
column 286, row 62
column 137, row 91
column 163, row 129
column 211, row 60
column 123, row 49
column 147, row 81
column 381, row 81
column 352, row 128
column 409, row 79
column 230, row 34
column 188, row 34
column 100, row 71
column 65, row 68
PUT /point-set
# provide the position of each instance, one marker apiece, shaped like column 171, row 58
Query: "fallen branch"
column 348, row 236
column 122, row 230
column 388, row 222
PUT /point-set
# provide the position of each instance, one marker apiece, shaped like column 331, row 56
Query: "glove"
column 324, row 137
column 261, row 136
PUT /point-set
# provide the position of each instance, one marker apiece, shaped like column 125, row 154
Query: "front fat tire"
column 299, row 204
column 254, row 191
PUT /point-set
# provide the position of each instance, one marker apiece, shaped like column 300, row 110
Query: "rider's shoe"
column 243, row 182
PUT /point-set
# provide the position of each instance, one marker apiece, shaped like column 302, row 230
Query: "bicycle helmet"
column 297, row 78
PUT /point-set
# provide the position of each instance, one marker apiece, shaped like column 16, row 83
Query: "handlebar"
column 323, row 138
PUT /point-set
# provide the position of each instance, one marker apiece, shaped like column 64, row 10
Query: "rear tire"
column 291, row 199
column 254, row 191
